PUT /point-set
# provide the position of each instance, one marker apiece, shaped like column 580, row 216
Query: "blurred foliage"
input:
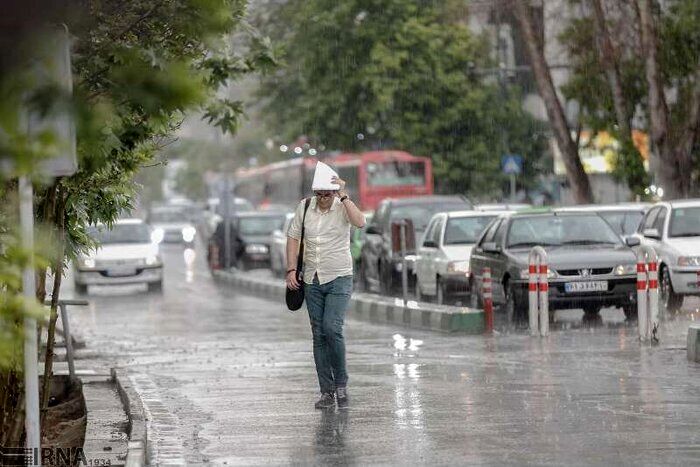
column 363, row 74
column 138, row 67
column 679, row 49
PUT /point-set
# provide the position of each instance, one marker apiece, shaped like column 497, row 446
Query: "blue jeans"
column 327, row 304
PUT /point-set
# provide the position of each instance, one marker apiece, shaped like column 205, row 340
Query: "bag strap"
column 300, row 257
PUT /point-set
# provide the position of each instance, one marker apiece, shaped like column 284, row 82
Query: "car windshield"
column 259, row 225
column 560, row 230
column 465, row 230
column 420, row 214
column 121, row 233
column 168, row 215
column 685, row 222
column 623, row 222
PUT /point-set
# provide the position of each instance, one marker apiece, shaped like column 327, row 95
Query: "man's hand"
column 291, row 280
column 341, row 183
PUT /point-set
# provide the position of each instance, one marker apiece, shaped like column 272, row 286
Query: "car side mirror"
column 632, row 241
column 491, row 247
column 652, row 233
column 373, row 230
column 429, row 244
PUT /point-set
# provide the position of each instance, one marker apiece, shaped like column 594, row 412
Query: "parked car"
column 278, row 247
column 442, row 264
column 380, row 269
column 127, row 253
column 502, row 207
column 250, row 238
column 215, row 211
column 174, row 222
column 590, row 267
column 624, row 218
column 673, row 230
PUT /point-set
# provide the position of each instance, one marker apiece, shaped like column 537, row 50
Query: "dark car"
column 380, row 269
column 589, row 265
column 250, row 238
column 624, row 218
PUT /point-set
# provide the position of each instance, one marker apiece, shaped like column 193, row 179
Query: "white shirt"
column 326, row 241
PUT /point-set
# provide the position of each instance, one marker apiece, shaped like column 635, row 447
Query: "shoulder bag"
column 295, row 298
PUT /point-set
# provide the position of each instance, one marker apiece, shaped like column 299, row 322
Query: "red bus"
column 370, row 176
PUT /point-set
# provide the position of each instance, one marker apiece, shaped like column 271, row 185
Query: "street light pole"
column 31, row 364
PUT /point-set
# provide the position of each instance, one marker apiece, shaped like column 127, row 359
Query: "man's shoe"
column 326, row 401
column 342, row 396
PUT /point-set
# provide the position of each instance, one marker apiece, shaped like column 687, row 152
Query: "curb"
column 694, row 343
column 376, row 309
column 138, row 433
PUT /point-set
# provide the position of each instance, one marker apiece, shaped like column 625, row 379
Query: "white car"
column 673, row 230
column 278, row 247
column 442, row 263
column 174, row 221
column 128, row 253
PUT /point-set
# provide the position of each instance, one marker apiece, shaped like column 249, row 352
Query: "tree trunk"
column 666, row 166
column 577, row 177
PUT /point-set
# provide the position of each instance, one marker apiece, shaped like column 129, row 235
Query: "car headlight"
column 87, row 263
column 253, row 249
column 625, row 269
column 458, row 266
column 689, row 261
column 525, row 274
column 153, row 259
column 188, row 233
column 157, row 235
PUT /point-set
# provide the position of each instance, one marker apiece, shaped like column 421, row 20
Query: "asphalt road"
column 229, row 379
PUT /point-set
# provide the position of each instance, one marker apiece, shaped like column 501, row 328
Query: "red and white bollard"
column 647, row 293
column 538, row 292
column 487, row 294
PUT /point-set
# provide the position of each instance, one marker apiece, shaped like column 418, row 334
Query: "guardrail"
column 62, row 304
column 648, row 294
column 538, row 292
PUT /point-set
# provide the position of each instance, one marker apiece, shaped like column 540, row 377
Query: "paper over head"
column 323, row 177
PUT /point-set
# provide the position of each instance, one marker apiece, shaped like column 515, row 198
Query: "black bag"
column 295, row 298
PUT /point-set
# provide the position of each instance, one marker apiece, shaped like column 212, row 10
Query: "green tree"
column 367, row 73
column 138, row 67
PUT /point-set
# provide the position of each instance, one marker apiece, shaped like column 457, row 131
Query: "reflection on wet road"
column 236, row 372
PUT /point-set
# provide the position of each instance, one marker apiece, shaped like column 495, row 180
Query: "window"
column 465, row 230
column 429, row 232
column 551, row 230
column 623, row 222
column 395, row 173
column 660, row 220
column 437, row 231
column 649, row 220
column 685, row 222
column 500, row 233
column 491, row 232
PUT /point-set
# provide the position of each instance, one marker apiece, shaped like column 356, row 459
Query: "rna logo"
column 45, row 456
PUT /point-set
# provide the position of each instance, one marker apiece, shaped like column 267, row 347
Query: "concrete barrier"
column 374, row 308
column 138, row 433
column 694, row 343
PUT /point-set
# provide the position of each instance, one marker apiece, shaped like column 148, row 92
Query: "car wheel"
column 155, row 286
column 81, row 288
column 630, row 312
column 668, row 298
column 440, row 291
column 515, row 310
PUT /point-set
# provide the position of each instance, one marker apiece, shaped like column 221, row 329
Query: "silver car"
column 673, row 230
column 278, row 247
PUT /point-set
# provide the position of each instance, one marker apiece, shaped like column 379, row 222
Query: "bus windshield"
column 395, row 173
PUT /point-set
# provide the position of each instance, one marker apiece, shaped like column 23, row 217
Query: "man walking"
column 327, row 276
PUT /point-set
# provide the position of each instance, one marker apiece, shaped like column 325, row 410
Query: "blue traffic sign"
column 512, row 164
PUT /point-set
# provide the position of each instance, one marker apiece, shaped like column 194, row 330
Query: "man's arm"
column 355, row 216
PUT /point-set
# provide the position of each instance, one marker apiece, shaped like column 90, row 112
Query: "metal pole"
column 227, row 222
column 641, row 295
column 512, row 188
column 533, row 305
column 68, row 339
column 31, row 364
column 404, row 271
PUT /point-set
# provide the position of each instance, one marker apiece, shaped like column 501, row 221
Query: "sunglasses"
column 324, row 194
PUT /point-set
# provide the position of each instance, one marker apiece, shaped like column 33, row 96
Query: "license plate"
column 117, row 272
column 592, row 286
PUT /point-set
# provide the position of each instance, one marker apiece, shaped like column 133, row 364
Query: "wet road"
column 229, row 379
